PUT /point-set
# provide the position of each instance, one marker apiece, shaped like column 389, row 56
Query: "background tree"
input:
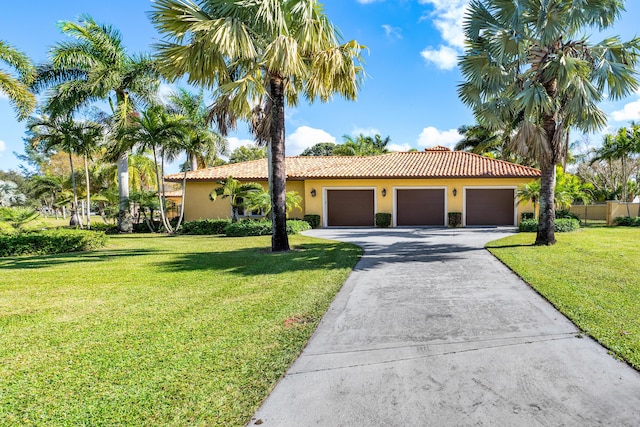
column 17, row 89
column 622, row 147
column 199, row 142
column 10, row 195
column 320, row 149
column 94, row 65
column 268, row 51
column 245, row 153
column 527, row 63
column 362, row 145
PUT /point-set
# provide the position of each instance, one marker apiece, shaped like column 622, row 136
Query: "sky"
column 411, row 64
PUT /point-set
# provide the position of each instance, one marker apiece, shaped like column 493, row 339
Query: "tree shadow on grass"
column 42, row 261
column 521, row 245
column 260, row 261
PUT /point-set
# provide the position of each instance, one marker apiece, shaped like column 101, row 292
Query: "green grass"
column 153, row 330
column 591, row 275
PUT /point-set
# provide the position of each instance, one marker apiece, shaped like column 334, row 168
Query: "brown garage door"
column 490, row 206
column 420, row 207
column 350, row 208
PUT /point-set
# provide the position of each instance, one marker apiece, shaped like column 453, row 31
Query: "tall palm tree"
column 17, row 89
column 199, row 141
column 154, row 129
column 527, row 62
column 63, row 134
column 94, row 65
column 259, row 55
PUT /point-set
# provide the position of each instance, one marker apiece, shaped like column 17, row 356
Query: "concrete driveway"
column 431, row 330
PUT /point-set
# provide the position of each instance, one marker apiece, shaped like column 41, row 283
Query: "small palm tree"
column 236, row 192
column 17, row 89
column 261, row 201
column 529, row 192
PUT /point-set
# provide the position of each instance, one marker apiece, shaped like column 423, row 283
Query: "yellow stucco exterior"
column 198, row 205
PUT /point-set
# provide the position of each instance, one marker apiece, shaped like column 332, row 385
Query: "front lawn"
column 591, row 275
column 153, row 330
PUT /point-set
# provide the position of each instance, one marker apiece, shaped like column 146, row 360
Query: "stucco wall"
column 198, row 206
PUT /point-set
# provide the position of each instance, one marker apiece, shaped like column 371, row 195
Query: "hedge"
column 627, row 221
column 51, row 242
column 383, row 220
column 562, row 225
column 263, row 228
column 312, row 219
column 205, row 226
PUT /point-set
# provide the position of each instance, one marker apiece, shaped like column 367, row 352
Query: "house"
column 417, row 188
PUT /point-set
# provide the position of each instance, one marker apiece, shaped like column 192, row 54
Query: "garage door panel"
column 490, row 206
column 420, row 207
column 350, row 208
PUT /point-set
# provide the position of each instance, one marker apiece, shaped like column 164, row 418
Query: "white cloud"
column 237, row 142
column 305, row 137
column 447, row 17
column 365, row 132
column 3, row 95
column 392, row 32
column 445, row 57
column 431, row 137
column 399, row 147
column 164, row 91
column 3, row 146
column 630, row 111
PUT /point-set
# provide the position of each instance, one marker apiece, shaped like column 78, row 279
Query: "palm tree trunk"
column 546, row 223
column 86, row 176
column 163, row 217
column 184, row 188
column 74, row 221
column 194, row 162
column 125, row 222
column 279, row 238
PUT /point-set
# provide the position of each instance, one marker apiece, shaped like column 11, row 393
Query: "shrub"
column 262, row 228
column 313, row 220
column 106, row 228
column 6, row 228
column 297, row 226
column 526, row 215
column 562, row 225
column 248, row 228
column 528, row 226
column 205, row 226
column 565, row 213
column 627, row 221
column 383, row 220
column 51, row 242
column 455, row 219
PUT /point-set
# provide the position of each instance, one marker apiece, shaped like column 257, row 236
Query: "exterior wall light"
column 455, row 192
column 384, row 192
column 313, row 192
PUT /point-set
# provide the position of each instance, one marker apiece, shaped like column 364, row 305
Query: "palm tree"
column 96, row 66
column 63, row 134
column 199, row 142
column 236, row 191
column 259, row 55
column 362, row 146
column 261, row 201
column 155, row 129
column 17, row 89
column 621, row 147
column 529, row 192
column 526, row 63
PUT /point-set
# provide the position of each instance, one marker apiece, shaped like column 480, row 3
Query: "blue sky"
column 410, row 92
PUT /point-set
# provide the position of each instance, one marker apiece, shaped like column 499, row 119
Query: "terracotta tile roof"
column 435, row 163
